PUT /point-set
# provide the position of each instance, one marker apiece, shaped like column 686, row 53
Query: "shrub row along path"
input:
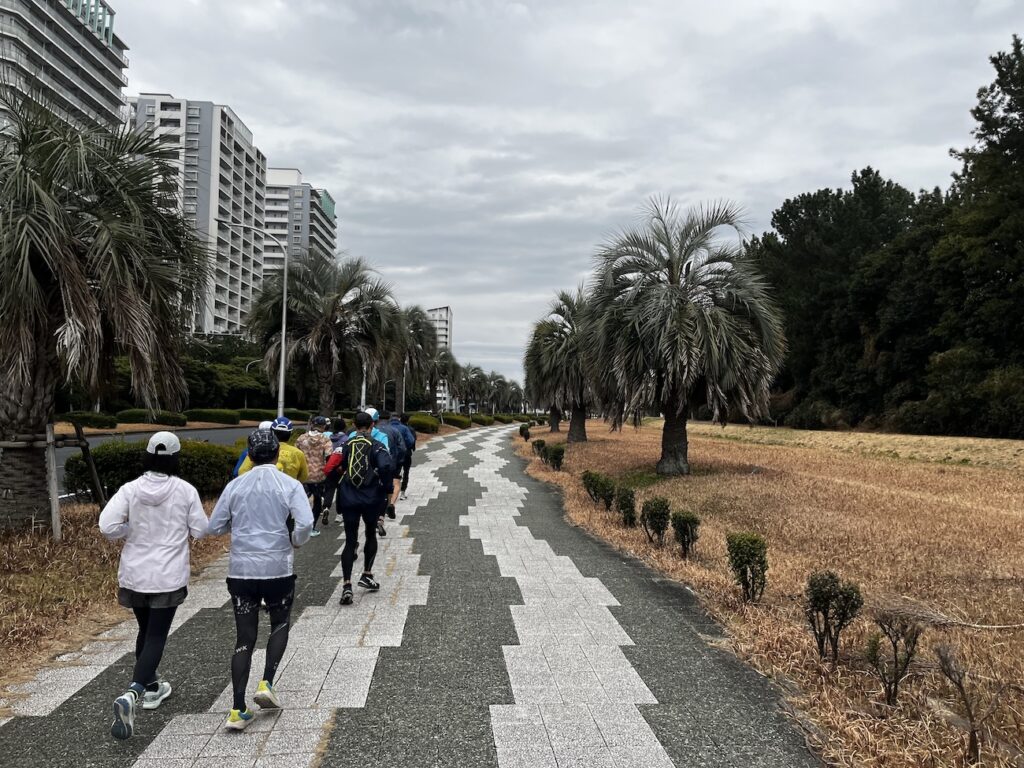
column 502, row 636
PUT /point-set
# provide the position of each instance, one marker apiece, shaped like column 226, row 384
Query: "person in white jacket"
column 268, row 514
column 154, row 515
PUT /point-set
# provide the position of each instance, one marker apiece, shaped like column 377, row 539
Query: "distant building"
column 65, row 53
column 443, row 320
column 222, row 182
column 299, row 215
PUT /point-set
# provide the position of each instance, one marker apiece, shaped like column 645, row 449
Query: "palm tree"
column 417, row 347
column 555, row 366
column 97, row 261
column 683, row 318
column 470, row 386
column 340, row 316
column 496, row 390
column 443, row 367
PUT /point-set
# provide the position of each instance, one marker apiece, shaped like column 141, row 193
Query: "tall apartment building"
column 65, row 53
column 222, row 182
column 300, row 217
column 443, row 320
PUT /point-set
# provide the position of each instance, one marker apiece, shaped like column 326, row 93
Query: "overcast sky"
column 480, row 149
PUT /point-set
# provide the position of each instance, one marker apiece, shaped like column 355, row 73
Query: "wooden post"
column 51, row 477
column 98, row 495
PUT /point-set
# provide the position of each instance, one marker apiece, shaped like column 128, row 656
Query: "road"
column 216, row 436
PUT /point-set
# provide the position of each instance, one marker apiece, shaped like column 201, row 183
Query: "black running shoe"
column 324, row 521
column 391, row 512
column 367, row 582
column 346, row 595
column 380, row 530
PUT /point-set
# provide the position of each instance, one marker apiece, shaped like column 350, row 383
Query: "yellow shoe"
column 266, row 697
column 239, row 721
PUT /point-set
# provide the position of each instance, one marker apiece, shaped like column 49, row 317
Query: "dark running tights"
column 352, row 517
column 247, row 620
column 154, row 626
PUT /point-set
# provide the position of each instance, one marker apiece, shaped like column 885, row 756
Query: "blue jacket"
column 396, row 444
column 407, row 433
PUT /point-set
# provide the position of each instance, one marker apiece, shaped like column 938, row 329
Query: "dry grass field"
column 937, row 520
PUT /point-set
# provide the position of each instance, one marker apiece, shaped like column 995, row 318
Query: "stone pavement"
column 502, row 636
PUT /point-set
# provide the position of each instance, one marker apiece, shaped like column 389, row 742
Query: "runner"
column 245, row 451
column 338, row 439
column 154, row 514
column 398, row 450
column 381, row 438
column 268, row 515
column 317, row 447
column 291, row 460
column 366, row 476
column 410, row 442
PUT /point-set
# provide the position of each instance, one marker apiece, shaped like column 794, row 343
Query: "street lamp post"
column 384, row 395
column 284, row 306
column 247, row 367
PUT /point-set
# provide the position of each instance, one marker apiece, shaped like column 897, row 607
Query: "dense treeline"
column 906, row 311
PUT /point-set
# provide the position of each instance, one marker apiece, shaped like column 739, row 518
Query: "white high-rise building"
column 443, row 320
column 222, row 183
column 299, row 215
column 65, row 54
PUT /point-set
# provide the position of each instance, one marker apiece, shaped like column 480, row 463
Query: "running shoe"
column 391, row 512
column 346, row 595
column 124, row 716
column 314, row 533
column 324, row 520
column 153, row 699
column 402, row 496
column 239, row 721
column 367, row 582
column 266, row 697
column 380, row 530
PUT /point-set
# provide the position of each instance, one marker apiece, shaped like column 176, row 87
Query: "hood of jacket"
column 153, row 489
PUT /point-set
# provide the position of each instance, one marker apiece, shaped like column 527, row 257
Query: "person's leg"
column 247, row 617
column 406, row 467
column 142, row 617
column 348, row 553
column 157, row 628
column 279, row 606
column 370, row 547
column 318, row 500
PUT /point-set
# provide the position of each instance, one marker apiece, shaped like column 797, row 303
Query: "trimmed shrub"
column 654, row 517
column 142, row 416
column 590, row 484
column 503, row 418
column 524, row 432
column 625, row 500
column 522, row 417
column 482, row 419
column 830, row 606
column 89, row 419
column 891, row 651
column 538, row 445
column 685, row 525
column 422, row 422
column 600, row 488
column 748, row 559
column 456, row 420
column 257, row 414
column 296, row 414
column 556, row 455
column 208, row 467
column 213, row 415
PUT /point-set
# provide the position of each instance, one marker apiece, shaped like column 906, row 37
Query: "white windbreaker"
column 255, row 507
column 155, row 514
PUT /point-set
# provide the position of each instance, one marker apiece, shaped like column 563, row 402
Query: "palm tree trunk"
column 578, row 424
column 400, row 405
column 325, row 384
column 674, row 445
column 554, row 417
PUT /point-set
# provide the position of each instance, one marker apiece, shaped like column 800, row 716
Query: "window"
column 191, row 175
column 192, row 128
column 297, row 192
column 151, row 109
column 191, row 159
column 190, row 207
column 297, row 240
column 193, row 111
column 296, row 217
column 192, row 143
column 170, row 106
column 191, row 192
column 150, row 124
column 297, row 206
column 297, row 228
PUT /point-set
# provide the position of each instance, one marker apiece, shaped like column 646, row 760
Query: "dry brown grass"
column 67, row 428
column 891, row 512
column 53, row 596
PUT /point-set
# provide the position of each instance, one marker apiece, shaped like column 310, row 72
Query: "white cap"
column 373, row 413
column 265, row 425
column 163, row 442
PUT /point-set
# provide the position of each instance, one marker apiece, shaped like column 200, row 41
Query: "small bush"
column 457, row 420
column 831, row 606
column 213, row 415
column 654, row 517
column 257, row 414
column 538, row 448
column 89, row 419
column 522, row 417
column 748, row 558
column 503, row 418
column 482, row 419
column 208, row 467
column 297, row 414
column 685, row 525
column 891, row 651
column 606, row 491
column 424, row 422
column 556, row 455
column 625, row 500
column 143, row 416
column 590, row 480
column 524, row 432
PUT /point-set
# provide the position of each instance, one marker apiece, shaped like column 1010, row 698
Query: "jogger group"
column 280, row 493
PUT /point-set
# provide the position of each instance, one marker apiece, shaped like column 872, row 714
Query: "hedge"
column 208, row 467
column 297, row 415
column 523, row 418
column 257, row 414
column 89, row 419
column 482, row 419
column 213, row 415
column 143, row 416
column 456, row 420
column 503, row 418
column 424, row 422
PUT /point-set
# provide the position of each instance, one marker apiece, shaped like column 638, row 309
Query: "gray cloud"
column 480, row 149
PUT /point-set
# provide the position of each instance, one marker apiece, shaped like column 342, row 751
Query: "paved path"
column 502, row 636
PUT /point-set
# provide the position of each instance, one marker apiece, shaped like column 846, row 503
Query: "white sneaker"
column 266, row 697
column 402, row 496
column 124, row 716
column 153, row 699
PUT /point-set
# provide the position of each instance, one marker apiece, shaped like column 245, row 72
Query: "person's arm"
column 246, row 465
column 301, row 513
column 114, row 517
column 303, row 468
column 385, row 468
column 220, row 520
column 334, row 463
column 198, row 522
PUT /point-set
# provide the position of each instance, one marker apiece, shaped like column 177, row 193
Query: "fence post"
column 51, row 478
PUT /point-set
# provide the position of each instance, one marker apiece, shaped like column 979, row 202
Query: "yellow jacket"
column 290, row 460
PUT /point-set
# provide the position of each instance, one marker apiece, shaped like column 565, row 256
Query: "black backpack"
column 360, row 471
